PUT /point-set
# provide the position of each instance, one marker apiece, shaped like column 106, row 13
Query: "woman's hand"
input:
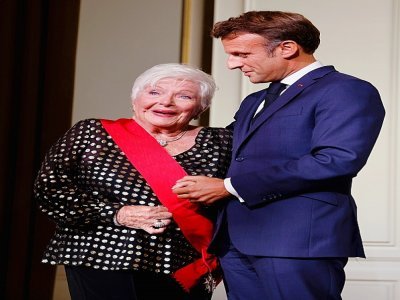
column 152, row 219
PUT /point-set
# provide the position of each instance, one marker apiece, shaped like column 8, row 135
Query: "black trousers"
column 91, row 284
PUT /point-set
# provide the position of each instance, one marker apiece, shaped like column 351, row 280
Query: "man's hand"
column 200, row 189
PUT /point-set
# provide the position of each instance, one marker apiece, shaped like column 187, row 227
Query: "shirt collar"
column 292, row 78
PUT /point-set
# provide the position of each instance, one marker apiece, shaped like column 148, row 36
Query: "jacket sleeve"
column 60, row 192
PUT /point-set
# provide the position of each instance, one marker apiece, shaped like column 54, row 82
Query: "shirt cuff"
column 229, row 187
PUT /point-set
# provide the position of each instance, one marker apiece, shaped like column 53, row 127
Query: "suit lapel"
column 247, row 111
column 289, row 95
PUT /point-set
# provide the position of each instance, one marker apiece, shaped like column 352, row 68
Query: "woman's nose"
column 167, row 100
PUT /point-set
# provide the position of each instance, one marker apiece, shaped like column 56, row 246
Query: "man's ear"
column 289, row 49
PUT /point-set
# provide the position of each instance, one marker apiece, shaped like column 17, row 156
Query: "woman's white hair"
column 153, row 75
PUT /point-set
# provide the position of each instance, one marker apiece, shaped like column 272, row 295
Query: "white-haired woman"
column 121, row 232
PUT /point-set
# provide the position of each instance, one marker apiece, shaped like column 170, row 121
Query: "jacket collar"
column 244, row 129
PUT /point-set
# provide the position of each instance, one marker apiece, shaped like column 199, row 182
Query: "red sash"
column 161, row 172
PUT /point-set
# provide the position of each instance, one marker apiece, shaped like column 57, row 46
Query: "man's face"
column 248, row 52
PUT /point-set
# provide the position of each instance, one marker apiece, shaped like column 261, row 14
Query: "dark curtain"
column 37, row 61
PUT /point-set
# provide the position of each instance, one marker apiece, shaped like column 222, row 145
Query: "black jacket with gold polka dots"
column 85, row 178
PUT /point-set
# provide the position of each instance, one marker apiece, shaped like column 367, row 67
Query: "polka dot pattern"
column 85, row 178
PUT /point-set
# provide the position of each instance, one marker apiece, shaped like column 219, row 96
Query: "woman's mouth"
column 164, row 113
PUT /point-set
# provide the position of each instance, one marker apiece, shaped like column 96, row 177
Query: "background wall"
column 118, row 40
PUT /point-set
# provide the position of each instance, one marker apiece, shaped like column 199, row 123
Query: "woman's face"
column 170, row 105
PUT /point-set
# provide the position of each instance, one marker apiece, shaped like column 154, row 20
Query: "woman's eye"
column 153, row 92
column 185, row 97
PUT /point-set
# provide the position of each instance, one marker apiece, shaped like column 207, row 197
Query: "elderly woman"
column 121, row 232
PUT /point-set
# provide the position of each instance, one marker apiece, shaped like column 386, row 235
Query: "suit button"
column 239, row 158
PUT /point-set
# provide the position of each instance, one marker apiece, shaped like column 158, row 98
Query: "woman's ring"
column 159, row 224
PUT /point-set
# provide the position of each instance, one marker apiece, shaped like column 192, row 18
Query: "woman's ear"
column 289, row 49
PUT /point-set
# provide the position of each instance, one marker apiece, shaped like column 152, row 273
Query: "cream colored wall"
column 362, row 38
column 118, row 40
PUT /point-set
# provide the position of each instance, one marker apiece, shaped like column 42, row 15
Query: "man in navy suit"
column 288, row 222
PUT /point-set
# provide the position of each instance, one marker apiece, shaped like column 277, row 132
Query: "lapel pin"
column 300, row 85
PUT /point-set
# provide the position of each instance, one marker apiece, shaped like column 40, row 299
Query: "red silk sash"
column 161, row 172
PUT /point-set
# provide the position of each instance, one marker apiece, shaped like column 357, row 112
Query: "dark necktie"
column 273, row 91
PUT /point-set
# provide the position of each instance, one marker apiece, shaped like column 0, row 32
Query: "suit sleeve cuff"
column 229, row 187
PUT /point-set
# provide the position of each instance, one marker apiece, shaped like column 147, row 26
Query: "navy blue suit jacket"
column 294, row 167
